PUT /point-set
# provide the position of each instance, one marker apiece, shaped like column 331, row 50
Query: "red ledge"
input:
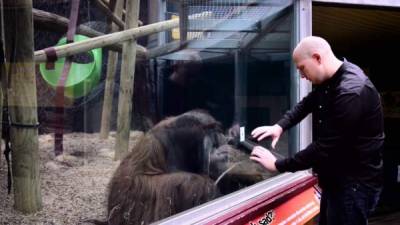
column 264, row 203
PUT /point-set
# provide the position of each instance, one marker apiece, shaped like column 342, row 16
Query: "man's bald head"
column 315, row 60
column 310, row 45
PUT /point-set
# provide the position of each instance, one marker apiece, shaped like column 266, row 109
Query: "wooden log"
column 22, row 105
column 110, row 5
column 117, row 37
column 109, row 85
column 108, row 39
column 49, row 21
column 165, row 49
column 100, row 5
column 127, row 82
column 114, row 18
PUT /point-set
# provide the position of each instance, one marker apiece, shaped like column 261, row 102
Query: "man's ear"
column 317, row 57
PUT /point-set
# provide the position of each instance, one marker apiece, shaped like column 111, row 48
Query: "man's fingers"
column 264, row 135
column 256, row 152
column 256, row 131
column 274, row 141
column 259, row 130
column 255, row 158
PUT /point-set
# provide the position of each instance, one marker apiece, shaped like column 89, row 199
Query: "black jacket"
column 347, row 127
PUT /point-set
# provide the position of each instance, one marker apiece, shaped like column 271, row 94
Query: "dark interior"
column 369, row 37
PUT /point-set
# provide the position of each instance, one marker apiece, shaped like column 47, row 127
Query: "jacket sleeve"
column 347, row 110
column 299, row 112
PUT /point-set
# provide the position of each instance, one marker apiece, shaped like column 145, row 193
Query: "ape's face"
column 188, row 140
column 193, row 142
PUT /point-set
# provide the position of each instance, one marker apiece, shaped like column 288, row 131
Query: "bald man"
column 348, row 134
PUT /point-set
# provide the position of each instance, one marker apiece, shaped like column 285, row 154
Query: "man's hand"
column 274, row 131
column 264, row 157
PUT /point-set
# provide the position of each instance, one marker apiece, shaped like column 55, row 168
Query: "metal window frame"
column 303, row 23
column 241, row 206
column 303, row 28
column 383, row 3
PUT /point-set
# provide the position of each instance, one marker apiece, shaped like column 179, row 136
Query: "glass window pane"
column 154, row 134
column 236, row 65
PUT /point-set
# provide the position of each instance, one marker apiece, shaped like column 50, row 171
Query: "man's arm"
column 292, row 117
column 299, row 112
column 347, row 110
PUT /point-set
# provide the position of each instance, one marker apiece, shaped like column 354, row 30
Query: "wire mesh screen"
column 229, row 19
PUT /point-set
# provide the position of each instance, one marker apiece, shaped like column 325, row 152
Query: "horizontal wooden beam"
column 164, row 49
column 113, row 38
column 108, row 39
column 52, row 22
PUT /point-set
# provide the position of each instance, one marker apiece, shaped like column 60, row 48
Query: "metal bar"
column 305, row 29
column 248, row 197
column 235, row 3
column 214, row 44
column 236, row 25
column 388, row 3
column 183, row 22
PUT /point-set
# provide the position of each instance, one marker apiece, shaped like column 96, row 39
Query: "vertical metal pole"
column 304, row 28
column 240, row 88
column 162, row 7
column 183, row 21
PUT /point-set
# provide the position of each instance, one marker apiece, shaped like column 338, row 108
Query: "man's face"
column 309, row 68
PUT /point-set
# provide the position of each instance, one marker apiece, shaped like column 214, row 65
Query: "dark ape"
column 161, row 175
column 169, row 170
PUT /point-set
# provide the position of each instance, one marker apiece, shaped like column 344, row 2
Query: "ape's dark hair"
column 164, row 173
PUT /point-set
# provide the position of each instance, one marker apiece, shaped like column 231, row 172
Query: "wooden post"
column 126, row 84
column 22, row 105
column 2, row 74
column 2, row 69
column 109, row 86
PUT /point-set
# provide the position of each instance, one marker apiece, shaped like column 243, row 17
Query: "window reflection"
column 236, row 67
column 231, row 73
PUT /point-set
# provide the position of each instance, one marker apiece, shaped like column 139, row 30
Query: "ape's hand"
column 264, row 157
column 274, row 131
